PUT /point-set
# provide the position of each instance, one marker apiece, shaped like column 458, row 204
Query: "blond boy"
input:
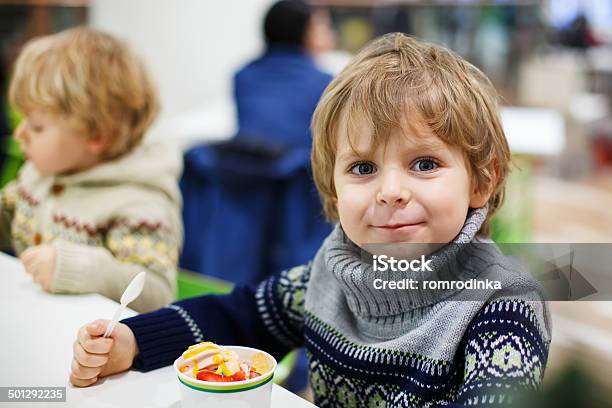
column 91, row 207
column 408, row 148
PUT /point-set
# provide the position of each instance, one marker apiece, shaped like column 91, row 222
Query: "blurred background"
column 551, row 61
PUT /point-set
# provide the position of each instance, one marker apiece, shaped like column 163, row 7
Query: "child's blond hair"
column 397, row 81
column 91, row 79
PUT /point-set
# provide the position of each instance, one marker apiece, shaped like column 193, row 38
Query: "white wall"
column 191, row 47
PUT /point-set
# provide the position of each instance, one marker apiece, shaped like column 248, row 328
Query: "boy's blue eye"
column 425, row 165
column 362, row 169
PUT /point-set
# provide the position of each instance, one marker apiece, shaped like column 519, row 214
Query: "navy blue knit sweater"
column 363, row 352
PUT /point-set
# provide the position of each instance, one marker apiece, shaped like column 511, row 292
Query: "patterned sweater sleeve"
column 8, row 197
column 128, row 250
column 269, row 317
column 505, row 352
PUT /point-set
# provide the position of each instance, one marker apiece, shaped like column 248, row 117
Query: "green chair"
column 192, row 284
column 13, row 158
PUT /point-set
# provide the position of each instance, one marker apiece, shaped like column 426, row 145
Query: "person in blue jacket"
column 277, row 93
column 233, row 191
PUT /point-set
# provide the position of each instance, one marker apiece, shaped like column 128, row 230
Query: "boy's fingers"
column 95, row 345
column 96, row 328
column 88, row 360
column 27, row 265
column 82, row 383
column 84, row 373
column 27, row 255
column 93, row 329
column 82, row 335
column 46, row 285
column 36, row 277
column 98, row 346
column 31, row 266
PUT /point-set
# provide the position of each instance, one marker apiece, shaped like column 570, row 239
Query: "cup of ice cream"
column 225, row 376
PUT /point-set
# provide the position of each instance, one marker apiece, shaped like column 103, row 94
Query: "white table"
column 36, row 335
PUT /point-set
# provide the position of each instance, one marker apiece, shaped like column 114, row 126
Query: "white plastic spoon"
column 129, row 295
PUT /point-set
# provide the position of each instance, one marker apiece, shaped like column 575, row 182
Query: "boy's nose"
column 392, row 191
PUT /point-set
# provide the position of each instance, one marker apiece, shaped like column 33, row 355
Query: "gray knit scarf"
column 352, row 267
column 430, row 322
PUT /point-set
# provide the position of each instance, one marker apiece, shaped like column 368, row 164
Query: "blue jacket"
column 277, row 94
column 249, row 211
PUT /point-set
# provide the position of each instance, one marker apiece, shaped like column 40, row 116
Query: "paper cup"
column 252, row 393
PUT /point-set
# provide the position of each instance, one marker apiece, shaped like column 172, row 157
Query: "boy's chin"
column 40, row 169
column 46, row 171
column 402, row 250
column 402, row 247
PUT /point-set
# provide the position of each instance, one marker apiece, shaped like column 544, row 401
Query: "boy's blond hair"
column 397, row 81
column 91, row 79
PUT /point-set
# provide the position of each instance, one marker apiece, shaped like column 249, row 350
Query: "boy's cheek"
column 350, row 206
column 352, row 218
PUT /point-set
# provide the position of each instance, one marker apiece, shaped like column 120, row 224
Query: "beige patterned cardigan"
column 107, row 224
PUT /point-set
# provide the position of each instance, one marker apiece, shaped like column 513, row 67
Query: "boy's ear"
column 479, row 198
column 481, row 194
column 98, row 144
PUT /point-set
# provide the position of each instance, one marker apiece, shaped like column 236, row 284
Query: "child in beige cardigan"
column 91, row 207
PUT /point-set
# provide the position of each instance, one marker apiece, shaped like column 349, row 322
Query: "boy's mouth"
column 398, row 227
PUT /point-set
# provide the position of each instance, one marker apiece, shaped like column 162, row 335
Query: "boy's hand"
column 95, row 356
column 39, row 261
